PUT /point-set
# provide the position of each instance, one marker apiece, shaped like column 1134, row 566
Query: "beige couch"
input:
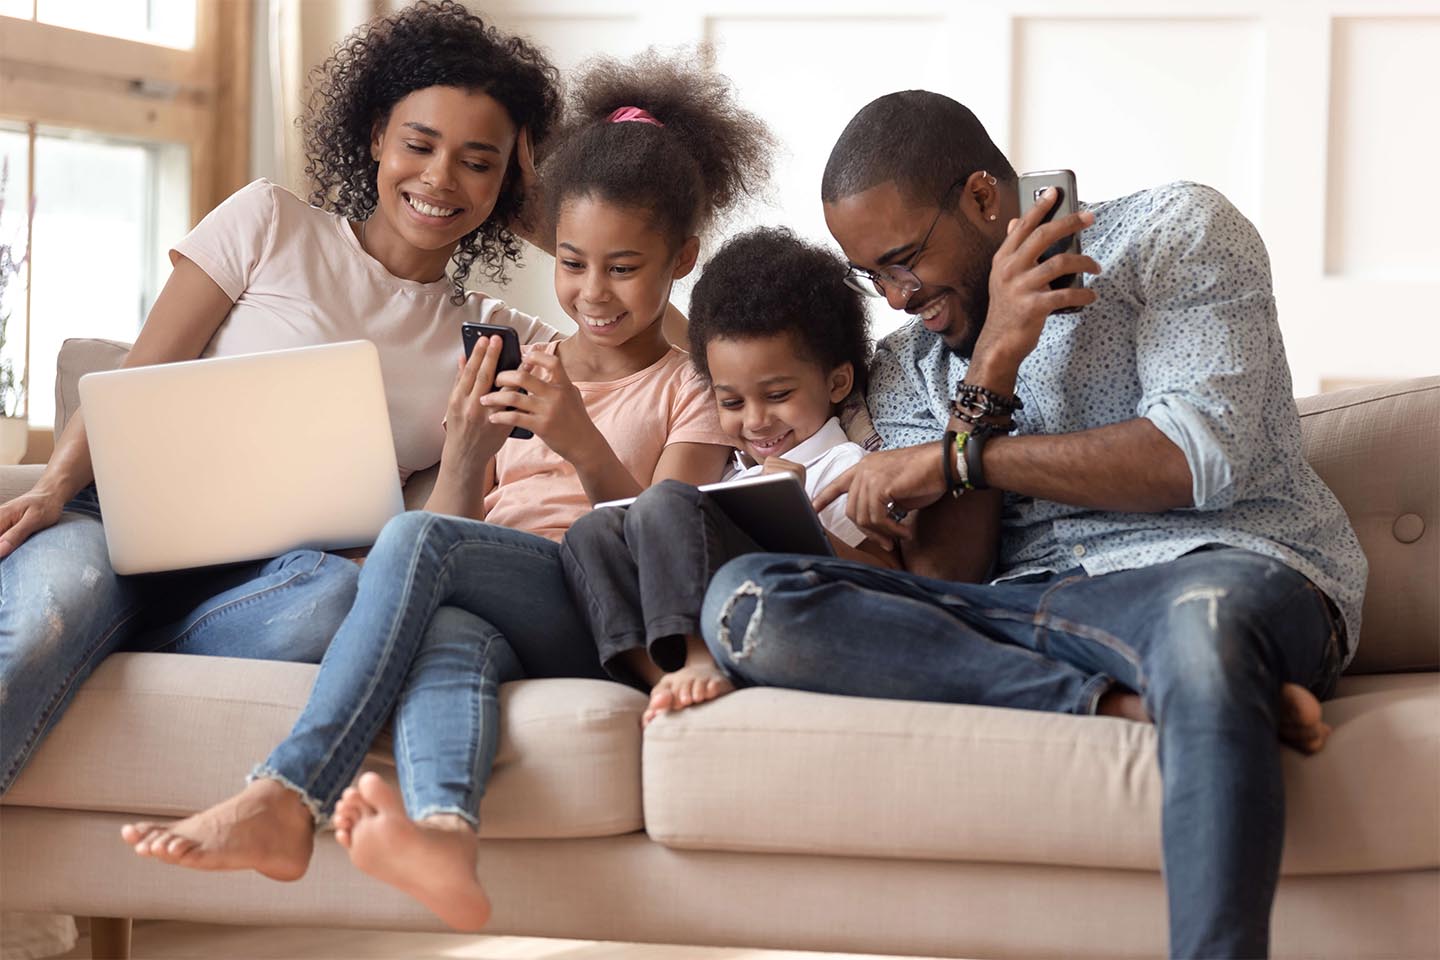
column 783, row 819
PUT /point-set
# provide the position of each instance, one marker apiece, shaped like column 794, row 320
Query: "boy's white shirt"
column 825, row 455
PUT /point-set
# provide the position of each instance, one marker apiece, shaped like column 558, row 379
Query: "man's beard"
column 976, row 310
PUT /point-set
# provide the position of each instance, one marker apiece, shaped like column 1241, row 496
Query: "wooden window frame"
column 199, row 98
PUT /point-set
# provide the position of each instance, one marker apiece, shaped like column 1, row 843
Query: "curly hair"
column 425, row 45
column 768, row 281
column 706, row 155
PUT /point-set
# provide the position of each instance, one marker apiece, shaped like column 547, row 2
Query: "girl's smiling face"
column 614, row 269
column 443, row 154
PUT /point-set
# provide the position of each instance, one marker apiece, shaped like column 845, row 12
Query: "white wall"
column 1318, row 118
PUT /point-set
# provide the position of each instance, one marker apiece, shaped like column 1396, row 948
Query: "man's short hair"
column 921, row 141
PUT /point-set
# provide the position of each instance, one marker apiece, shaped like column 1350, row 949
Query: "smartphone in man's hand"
column 1032, row 189
column 470, row 334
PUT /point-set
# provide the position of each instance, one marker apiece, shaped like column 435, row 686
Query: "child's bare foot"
column 1301, row 725
column 265, row 828
column 433, row 860
column 684, row 688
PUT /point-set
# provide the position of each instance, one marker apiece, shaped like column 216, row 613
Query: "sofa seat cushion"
column 781, row 771
column 164, row 735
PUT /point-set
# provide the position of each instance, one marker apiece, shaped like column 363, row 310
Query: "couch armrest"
column 79, row 356
column 17, row 480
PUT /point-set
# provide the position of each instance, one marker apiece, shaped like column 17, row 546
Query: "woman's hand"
column 471, row 437
column 548, row 404
column 528, row 223
column 27, row 515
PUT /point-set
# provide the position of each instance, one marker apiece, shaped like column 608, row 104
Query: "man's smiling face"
column 881, row 227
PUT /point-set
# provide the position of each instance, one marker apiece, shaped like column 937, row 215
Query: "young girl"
column 449, row 607
column 783, row 340
column 413, row 134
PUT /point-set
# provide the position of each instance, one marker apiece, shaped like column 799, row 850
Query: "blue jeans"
column 1207, row 640
column 63, row 610
column 448, row 609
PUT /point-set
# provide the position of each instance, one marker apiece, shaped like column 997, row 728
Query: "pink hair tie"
column 628, row 114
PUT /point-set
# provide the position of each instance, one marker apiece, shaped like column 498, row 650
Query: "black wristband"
column 974, row 447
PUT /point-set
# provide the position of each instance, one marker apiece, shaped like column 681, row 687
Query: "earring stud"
column 992, row 216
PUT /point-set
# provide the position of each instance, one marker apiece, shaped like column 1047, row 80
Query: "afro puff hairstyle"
column 428, row 44
column 703, row 155
column 768, row 281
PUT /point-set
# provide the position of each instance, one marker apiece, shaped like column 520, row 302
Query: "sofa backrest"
column 1377, row 447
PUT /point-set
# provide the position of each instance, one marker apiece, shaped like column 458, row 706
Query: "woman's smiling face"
column 443, row 154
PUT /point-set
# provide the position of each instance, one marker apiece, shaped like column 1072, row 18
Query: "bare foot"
column 433, row 860
column 1122, row 702
column 685, row 688
column 265, row 828
column 1301, row 725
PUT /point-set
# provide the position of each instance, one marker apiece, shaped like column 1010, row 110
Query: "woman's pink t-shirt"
column 639, row 415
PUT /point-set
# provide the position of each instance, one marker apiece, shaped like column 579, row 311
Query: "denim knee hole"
column 752, row 626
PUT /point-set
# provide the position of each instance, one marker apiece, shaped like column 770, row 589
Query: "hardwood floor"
column 171, row 941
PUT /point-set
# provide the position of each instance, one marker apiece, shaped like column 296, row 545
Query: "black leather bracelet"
column 947, row 458
column 974, row 448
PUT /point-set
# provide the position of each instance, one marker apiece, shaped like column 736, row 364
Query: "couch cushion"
column 780, row 771
column 164, row 734
column 1377, row 448
column 79, row 356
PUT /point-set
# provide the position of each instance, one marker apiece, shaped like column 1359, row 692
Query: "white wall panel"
column 1132, row 103
column 1384, row 149
column 806, row 77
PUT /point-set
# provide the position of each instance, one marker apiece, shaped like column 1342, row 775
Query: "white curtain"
column 291, row 37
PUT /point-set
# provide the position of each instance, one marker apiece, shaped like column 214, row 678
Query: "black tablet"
column 773, row 509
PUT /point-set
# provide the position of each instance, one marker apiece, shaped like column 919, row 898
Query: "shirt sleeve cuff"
column 1211, row 475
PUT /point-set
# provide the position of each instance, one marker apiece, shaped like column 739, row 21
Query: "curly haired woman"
column 418, row 136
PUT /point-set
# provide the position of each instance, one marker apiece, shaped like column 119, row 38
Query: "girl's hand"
column 471, row 437
column 550, row 406
column 25, row 516
column 781, row 465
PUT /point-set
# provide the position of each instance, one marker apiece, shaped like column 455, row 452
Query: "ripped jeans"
column 63, row 610
column 1207, row 640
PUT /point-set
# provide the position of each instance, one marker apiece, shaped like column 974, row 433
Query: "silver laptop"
column 241, row 458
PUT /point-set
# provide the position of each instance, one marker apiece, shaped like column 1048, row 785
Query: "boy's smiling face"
column 772, row 397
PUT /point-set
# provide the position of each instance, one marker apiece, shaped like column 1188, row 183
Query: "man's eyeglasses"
column 897, row 276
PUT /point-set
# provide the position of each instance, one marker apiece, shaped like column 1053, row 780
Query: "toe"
column 378, row 793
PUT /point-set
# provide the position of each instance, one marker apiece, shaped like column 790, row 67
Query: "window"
column 135, row 116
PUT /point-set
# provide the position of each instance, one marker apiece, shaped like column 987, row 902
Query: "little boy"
column 783, row 341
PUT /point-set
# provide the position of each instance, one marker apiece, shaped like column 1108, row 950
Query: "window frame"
column 199, row 98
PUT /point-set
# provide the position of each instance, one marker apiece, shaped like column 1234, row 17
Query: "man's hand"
column 1020, row 294
column 887, row 485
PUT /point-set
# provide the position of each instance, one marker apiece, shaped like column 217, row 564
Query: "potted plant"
column 14, row 430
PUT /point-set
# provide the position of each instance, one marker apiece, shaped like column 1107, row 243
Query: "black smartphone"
column 470, row 334
column 1032, row 188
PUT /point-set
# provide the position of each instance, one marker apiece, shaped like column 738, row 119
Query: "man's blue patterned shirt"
column 1183, row 334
